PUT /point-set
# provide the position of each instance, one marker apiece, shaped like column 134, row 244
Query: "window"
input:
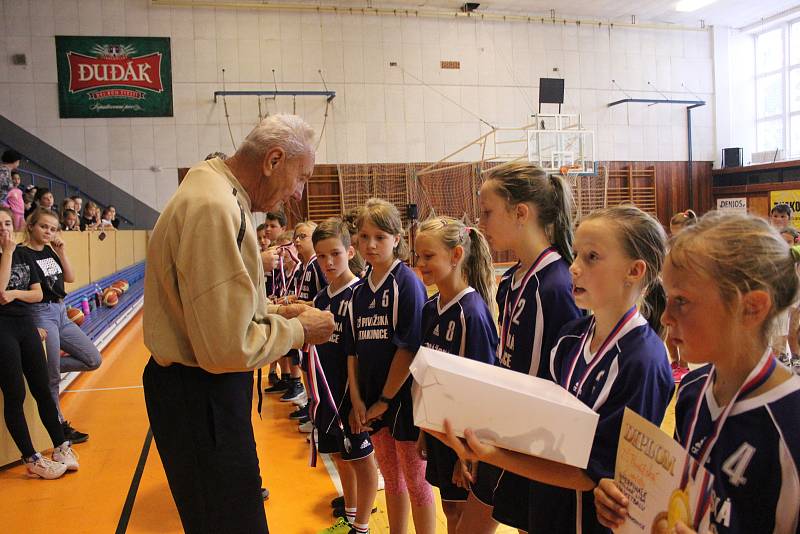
column 778, row 89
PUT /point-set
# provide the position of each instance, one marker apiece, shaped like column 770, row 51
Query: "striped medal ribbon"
column 506, row 326
column 610, row 340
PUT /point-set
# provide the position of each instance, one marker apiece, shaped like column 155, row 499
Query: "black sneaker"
column 294, row 392
column 273, row 379
column 338, row 502
column 299, row 413
column 279, row 387
column 304, row 420
column 72, row 435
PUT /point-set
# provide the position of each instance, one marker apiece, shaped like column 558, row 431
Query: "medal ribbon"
column 506, row 326
column 610, row 340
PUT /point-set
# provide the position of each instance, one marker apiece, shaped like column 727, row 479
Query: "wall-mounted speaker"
column 731, row 157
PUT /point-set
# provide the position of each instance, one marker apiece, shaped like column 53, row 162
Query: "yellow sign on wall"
column 788, row 196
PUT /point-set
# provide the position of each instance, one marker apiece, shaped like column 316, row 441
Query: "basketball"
column 122, row 285
column 76, row 316
column 110, row 297
column 115, row 288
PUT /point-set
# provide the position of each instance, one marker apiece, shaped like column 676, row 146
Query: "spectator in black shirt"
column 48, row 252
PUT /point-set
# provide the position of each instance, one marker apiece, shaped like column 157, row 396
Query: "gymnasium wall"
column 381, row 113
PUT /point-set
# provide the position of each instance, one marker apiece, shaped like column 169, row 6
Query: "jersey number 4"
column 737, row 463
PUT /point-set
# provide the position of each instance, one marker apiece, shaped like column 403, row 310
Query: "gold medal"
column 679, row 509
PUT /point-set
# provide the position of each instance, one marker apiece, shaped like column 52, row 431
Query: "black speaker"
column 731, row 157
column 551, row 90
column 412, row 212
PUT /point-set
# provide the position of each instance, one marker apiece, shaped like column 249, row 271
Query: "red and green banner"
column 114, row 77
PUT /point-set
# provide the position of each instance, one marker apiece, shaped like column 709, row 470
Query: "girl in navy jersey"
column 383, row 336
column 609, row 360
column 352, row 453
column 727, row 277
column 457, row 320
column 529, row 213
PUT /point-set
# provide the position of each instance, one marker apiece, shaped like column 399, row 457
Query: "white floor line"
column 337, row 483
column 101, row 389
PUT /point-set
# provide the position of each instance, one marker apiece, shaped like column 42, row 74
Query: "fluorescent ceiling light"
column 692, row 5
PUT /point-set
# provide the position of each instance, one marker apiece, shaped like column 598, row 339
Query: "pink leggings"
column 402, row 468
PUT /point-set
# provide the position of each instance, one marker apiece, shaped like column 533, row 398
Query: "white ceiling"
column 734, row 13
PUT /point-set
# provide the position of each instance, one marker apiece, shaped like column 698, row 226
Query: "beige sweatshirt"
column 205, row 302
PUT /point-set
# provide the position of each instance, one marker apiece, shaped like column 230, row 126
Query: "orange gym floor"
column 109, row 404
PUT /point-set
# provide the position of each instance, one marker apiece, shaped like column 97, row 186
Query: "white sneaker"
column 301, row 401
column 45, row 468
column 65, row 455
column 306, row 427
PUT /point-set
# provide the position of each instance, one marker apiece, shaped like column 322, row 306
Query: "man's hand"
column 270, row 259
column 290, row 311
column 317, row 325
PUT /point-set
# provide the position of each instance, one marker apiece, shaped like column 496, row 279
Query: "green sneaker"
column 340, row 527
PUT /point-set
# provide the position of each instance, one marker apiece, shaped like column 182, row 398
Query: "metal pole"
column 689, row 162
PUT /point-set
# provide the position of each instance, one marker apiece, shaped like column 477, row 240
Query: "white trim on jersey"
column 395, row 303
column 613, row 373
column 750, row 403
column 375, row 288
column 348, row 284
column 553, row 356
column 551, row 258
column 538, row 332
column 786, row 511
column 463, row 332
column 454, row 300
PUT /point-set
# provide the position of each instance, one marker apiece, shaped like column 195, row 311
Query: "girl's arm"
column 358, row 418
column 398, row 374
column 32, row 295
column 61, row 251
column 531, row 467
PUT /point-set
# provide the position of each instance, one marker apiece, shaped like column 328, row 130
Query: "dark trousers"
column 202, row 428
column 21, row 354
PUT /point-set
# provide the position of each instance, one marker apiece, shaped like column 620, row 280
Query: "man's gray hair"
column 289, row 132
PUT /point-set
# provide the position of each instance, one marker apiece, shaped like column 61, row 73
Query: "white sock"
column 351, row 515
column 361, row 529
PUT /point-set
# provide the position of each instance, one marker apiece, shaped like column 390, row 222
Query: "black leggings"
column 21, row 353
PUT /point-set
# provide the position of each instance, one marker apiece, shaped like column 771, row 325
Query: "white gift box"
column 508, row 409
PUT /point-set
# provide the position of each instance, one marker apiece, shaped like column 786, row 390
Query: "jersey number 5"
column 737, row 463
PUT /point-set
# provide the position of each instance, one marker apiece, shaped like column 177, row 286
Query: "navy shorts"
column 486, row 484
column 439, row 470
column 511, row 501
column 334, row 443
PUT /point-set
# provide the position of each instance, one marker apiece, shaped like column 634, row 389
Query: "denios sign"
column 114, row 77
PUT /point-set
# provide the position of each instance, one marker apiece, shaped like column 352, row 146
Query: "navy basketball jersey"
column 333, row 356
column 755, row 459
column 386, row 315
column 464, row 327
column 630, row 368
column 312, row 280
column 533, row 308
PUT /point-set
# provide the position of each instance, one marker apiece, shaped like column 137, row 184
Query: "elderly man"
column 208, row 325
